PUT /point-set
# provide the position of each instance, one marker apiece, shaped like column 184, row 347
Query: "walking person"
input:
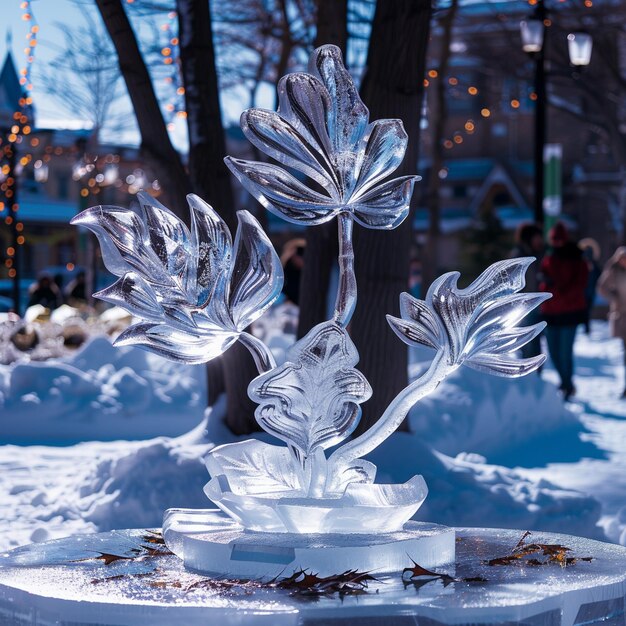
column 564, row 274
column 612, row 285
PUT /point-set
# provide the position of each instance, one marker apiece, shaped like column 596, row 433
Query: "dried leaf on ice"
column 555, row 554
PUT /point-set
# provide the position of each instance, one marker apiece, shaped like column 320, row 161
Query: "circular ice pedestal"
column 64, row 582
column 209, row 542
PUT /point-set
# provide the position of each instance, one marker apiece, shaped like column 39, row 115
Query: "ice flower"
column 193, row 292
column 322, row 130
column 476, row 326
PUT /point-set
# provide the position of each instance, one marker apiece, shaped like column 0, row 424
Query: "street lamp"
column 532, row 31
column 532, row 34
column 579, row 46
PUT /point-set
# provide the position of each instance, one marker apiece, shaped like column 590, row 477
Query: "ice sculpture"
column 195, row 293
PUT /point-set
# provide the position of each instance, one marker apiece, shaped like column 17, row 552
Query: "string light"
column 170, row 53
column 22, row 126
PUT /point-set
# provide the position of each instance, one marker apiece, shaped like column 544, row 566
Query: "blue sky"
column 48, row 13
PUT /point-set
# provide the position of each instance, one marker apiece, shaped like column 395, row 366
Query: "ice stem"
column 263, row 358
column 346, row 292
column 397, row 410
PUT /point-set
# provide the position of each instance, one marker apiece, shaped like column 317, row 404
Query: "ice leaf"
column 476, row 325
column 213, row 245
column 385, row 206
column 134, row 294
column 282, row 193
column 169, row 239
column 253, row 467
column 311, row 401
column 279, row 139
column 341, row 474
column 411, row 333
column 347, row 118
column 385, row 145
column 257, row 274
column 175, row 344
column 506, row 366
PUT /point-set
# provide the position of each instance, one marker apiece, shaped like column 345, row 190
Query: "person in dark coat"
column 44, row 292
column 564, row 274
column 529, row 242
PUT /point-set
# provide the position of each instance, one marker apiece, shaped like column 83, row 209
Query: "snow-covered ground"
column 504, row 453
column 99, row 392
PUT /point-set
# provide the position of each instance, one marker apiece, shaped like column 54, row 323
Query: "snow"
column 100, row 392
column 494, row 452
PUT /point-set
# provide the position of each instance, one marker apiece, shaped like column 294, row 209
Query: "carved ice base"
column 209, row 542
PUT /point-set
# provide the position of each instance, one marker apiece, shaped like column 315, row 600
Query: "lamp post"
column 533, row 37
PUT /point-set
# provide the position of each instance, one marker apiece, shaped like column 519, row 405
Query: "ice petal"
column 282, row 193
column 385, row 145
column 134, row 294
column 507, row 340
column 506, row 366
column 347, row 118
column 257, row 274
column 177, row 345
column 417, row 310
column 169, row 239
column 280, row 140
column 212, row 244
column 385, row 206
column 304, row 101
column 411, row 333
column 122, row 235
column 270, row 465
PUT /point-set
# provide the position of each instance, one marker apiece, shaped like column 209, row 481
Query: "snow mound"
column 100, row 392
column 489, row 415
column 467, row 491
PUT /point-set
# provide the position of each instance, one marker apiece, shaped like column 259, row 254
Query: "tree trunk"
column 392, row 88
column 211, row 180
column 321, row 241
column 210, row 177
column 156, row 146
column 430, row 266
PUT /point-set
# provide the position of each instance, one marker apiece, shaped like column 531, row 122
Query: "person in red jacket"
column 564, row 274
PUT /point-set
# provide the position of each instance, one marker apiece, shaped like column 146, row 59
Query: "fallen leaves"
column 550, row 553
column 420, row 576
column 303, row 583
column 155, row 548
column 110, row 558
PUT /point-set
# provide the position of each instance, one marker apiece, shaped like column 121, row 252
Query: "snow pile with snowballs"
column 99, row 392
